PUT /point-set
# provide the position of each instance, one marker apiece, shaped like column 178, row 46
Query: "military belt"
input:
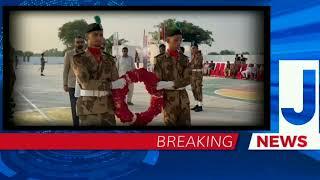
column 179, row 89
column 197, row 70
column 93, row 93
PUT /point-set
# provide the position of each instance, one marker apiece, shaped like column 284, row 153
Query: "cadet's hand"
column 66, row 89
column 118, row 84
column 165, row 85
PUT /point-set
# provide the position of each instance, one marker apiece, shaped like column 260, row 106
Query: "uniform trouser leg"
column 104, row 119
column 73, row 102
column 130, row 93
column 196, row 86
column 177, row 109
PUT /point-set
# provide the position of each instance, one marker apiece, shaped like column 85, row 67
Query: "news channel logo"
column 298, row 109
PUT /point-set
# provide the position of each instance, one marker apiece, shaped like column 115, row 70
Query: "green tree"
column 245, row 53
column 19, row 53
column 53, row 52
column 213, row 53
column 227, row 52
column 68, row 31
column 28, row 53
column 191, row 32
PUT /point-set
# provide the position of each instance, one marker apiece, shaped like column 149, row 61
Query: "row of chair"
column 219, row 71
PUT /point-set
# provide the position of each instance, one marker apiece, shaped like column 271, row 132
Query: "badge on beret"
column 95, row 26
column 176, row 30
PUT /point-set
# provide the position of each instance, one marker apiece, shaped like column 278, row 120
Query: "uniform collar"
column 88, row 51
column 176, row 54
column 95, row 54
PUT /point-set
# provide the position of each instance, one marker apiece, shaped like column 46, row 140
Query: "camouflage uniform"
column 196, row 76
column 176, row 102
column 93, row 110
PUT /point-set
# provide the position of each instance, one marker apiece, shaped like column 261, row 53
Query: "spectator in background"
column 211, row 66
column 237, row 65
column 246, row 73
column 232, row 67
column 206, row 68
column 16, row 61
column 227, row 70
column 69, row 78
column 182, row 49
column 253, row 74
column 243, row 59
column 125, row 64
column 236, row 59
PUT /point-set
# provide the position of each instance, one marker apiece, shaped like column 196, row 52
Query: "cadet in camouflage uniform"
column 174, row 72
column 196, row 77
column 96, row 74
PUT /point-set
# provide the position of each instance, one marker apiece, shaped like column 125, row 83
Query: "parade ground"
column 41, row 101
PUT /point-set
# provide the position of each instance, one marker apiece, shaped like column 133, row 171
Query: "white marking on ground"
column 36, row 108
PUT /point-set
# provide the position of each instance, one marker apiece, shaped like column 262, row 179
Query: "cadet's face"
column 194, row 49
column 124, row 52
column 95, row 38
column 174, row 42
column 79, row 43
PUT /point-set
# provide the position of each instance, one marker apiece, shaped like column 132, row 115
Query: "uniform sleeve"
column 82, row 74
column 158, row 69
column 66, row 69
column 200, row 61
column 114, row 73
column 185, row 80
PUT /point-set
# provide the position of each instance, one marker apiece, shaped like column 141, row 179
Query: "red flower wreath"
column 150, row 81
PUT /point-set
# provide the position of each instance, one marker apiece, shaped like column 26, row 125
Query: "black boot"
column 198, row 109
column 195, row 107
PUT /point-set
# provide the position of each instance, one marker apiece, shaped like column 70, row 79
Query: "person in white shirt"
column 69, row 78
column 248, row 72
column 125, row 64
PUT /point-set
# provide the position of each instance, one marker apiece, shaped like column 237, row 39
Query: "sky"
column 234, row 30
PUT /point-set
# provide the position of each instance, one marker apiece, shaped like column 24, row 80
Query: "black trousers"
column 73, row 101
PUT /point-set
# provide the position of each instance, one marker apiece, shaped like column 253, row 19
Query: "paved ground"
column 41, row 101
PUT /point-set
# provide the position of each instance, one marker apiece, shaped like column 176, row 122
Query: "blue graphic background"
column 295, row 34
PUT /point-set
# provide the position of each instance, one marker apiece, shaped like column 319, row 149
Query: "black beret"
column 94, row 27
column 174, row 32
